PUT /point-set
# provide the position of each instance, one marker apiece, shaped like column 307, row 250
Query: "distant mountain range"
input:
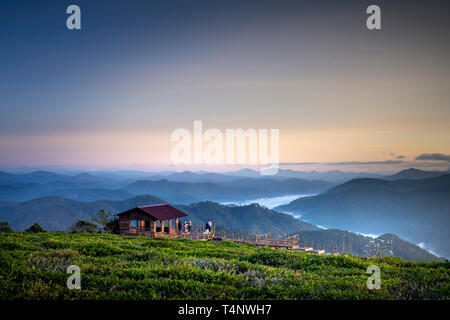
column 115, row 179
column 179, row 187
column 237, row 190
column 46, row 177
column 415, row 174
column 334, row 176
column 201, row 187
column 417, row 210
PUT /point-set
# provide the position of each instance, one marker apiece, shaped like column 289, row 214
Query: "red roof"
column 162, row 211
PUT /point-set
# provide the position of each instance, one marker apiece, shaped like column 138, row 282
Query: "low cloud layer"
column 344, row 163
column 397, row 156
column 434, row 157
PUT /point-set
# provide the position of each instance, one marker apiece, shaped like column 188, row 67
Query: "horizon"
column 78, row 171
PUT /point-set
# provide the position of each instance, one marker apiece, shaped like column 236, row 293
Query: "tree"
column 113, row 226
column 82, row 226
column 101, row 218
column 35, row 228
column 5, row 228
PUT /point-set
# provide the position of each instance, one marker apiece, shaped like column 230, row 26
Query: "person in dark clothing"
column 180, row 225
column 210, row 225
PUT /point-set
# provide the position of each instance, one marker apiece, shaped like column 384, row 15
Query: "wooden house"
column 150, row 221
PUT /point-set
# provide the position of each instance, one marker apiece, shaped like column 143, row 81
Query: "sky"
column 109, row 96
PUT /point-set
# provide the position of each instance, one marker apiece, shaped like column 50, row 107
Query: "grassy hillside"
column 115, row 267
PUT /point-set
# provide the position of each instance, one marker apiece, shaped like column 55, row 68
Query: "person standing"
column 209, row 227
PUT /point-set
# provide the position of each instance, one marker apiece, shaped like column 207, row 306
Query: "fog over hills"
column 415, row 174
column 128, row 176
column 184, row 187
column 417, row 210
column 52, row 178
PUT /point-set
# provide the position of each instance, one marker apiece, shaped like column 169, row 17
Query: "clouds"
column 393, row 154
column 398, row 161
column 397, row 156
column 344, row 163
column 434, row 157
column 433, row 161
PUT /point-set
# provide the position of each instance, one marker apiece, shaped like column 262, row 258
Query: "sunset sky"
column 108, row 96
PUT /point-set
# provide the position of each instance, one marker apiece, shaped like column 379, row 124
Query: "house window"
column 133, row 224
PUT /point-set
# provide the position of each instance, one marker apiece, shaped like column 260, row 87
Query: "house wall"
column 125, row 224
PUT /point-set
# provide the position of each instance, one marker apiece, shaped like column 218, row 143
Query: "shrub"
column 83, row 226
column 35, row 228
column 112, row 226
column 101, row 218
column 5, row 228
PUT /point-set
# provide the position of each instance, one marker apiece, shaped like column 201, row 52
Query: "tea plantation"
column 33, row 266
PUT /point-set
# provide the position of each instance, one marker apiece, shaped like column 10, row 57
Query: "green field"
column 33, row 266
